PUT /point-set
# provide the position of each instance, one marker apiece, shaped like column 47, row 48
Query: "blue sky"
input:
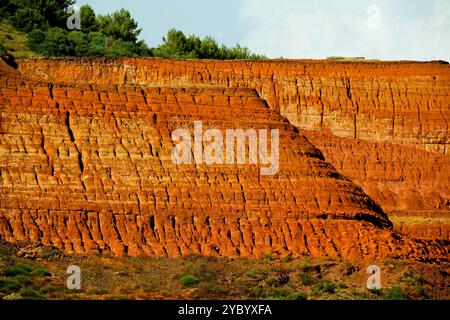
column 382, row 29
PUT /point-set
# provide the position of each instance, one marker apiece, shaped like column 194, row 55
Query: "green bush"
column 305, row 278
column 8, row 285
column 119, row 25
column 272, row 282
column 7, row 9
column 40, row 271
column 89, row 22
column 52, row 12
column 23, row 280
column 297, row 296
column 257, row 291
column 96, row 44
column 17, row 269
column 188, row 280
column 56, row 43
column 323, row 286
column 286, row 294
column 35, row 39
column 395, row 293
column 211, row 288
column 78, row 42
column 31, row 294
column 28, row 19
column 177, row 45
column 278, row 293
column 414, row 279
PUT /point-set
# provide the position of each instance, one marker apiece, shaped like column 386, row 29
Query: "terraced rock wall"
column 86, row 164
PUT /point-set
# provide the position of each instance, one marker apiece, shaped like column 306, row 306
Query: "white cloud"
column 411, row 29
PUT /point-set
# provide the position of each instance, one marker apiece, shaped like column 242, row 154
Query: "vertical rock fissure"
column 72, row 139
column 50, row 89
column 393, row 111
column 356, row 120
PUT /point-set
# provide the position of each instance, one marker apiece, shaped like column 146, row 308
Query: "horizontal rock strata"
column 86, row 163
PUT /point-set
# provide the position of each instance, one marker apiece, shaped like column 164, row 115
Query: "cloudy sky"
column 379, row 29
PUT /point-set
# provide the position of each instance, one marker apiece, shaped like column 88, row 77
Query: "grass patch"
column 211, row 288
column 395, row 293
column 188, row 280
column 15, row 42
column 323, row 286
column 305, row 278
column 285, row 294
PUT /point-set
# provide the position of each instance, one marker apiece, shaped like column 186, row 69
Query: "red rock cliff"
column 86, row 165
column 375, row 104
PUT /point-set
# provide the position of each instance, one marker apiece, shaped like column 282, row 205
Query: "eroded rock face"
column 398, row 102
column 86, row 166
column 389, row 120
column 400, row 178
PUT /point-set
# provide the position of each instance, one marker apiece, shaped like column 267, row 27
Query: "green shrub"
column 257, row 291
column 7, row 285
column 395, row 293
column 49, row 289
column 31, row 294
column 35, row 39
column 305, row 279
column 278, row 293
column 119, row 25
column 88, row 20
column 211, row 288
column 252, row 273
column 297, row 296
column 421, row 291
column 28, row 19
column 272, row 281
column 323, row 286
column 414, row 279
column 96, row 43
column 203, row 269
column 188, row 280
column 19, row 268
column 244, row 283
column 78, row 42
column 177, row 45
column 23, row 280
column 40, row 271
column 56, row 43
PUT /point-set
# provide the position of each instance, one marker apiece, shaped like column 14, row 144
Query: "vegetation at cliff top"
column 13, row 42
column 39, row 28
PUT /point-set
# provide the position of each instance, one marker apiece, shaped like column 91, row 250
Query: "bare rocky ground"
column 35, row 272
